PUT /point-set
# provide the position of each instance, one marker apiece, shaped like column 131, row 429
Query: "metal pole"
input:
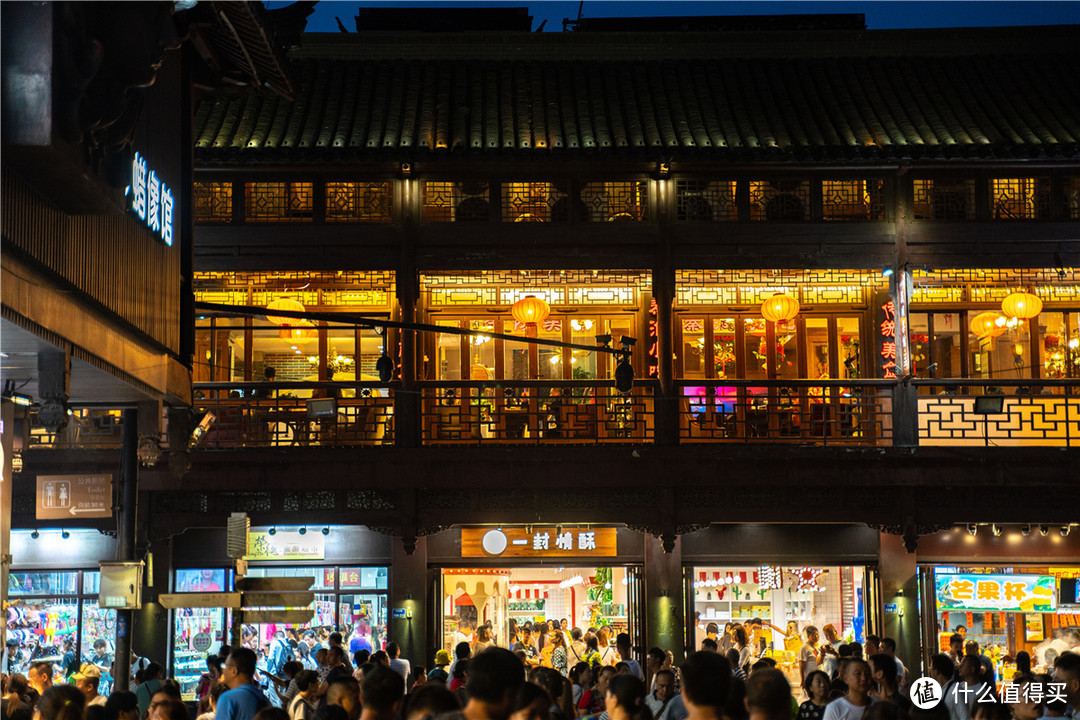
column 7, row 434
column 125, row 541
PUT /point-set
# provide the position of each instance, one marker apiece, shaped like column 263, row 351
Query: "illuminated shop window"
column 1020, row 198
column 359, row 202
column 853, row 200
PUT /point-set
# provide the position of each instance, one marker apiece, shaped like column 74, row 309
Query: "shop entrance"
column 502, row 600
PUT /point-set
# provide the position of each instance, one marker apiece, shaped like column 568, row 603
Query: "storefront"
column 53, row 600
column 1010, row 588
column 587, row 576
column 787, row 577
column 350, row 567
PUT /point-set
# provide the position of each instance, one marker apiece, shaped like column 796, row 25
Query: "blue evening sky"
column 880, row 14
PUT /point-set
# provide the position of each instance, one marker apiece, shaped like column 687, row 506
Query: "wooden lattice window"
column 359, row 202
column 616, row 201
column 1072, row 197
column 538, row 202
column 278, row 202
column 944, row 199
column 780, row 200
column 212, row 202
column 456, row 201
column 1020, row 198
column 706, row 200
column 846, row 200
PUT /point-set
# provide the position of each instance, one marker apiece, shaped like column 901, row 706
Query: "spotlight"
column 303, row 531
column 1065, row 530
column 35, row 535
column 326, row 531
column 973, row 528
column 1044, row 530
column 273, row 531
column 887, row 272
column 996, row 529
column 65, row 534
column 1025, row 530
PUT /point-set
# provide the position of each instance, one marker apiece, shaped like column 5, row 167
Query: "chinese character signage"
column 1011, row 593
column 151, row 200
column 886, row 337
column 538, row 541
column 285, row 545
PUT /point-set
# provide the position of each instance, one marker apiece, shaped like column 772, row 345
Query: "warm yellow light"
column 988, row 325
column 288, row 304
column 1023, row 305
column 780, row 308
column 530, row 310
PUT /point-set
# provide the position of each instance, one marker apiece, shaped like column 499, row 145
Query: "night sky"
column 879, row 14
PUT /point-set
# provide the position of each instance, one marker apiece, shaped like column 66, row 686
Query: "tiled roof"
column 846, row 107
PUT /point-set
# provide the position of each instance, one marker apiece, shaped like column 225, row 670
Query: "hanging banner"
column 1007, row 593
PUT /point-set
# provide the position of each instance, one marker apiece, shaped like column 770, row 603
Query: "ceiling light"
column 1065, row 530
column 973, row 528
column 1044, row 530
column 326, row 531
column 273, row 531
column 303, row 531
column 1025, row 529
column 35, row 535
column 996, row 529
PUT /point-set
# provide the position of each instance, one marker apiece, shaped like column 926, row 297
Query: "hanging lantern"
column 530, row 310
column 301, row 334
column 1023, row 305
column 288, row 304
column 988, row 325
column 781, row 307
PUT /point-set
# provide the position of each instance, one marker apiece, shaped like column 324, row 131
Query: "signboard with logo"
column 538, row 542
column 285, row 545
column 1009, row 593
column 74, row 496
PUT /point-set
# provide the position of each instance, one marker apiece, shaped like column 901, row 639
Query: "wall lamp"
column 35, row 535
column 65, row 534
column 272, row 531
column 303, row 531
column 326, row 531
column 15, row 397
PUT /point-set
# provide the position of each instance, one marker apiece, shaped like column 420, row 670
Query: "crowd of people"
column 486, row 682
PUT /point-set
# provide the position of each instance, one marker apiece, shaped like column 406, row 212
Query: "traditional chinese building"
column 841, row 262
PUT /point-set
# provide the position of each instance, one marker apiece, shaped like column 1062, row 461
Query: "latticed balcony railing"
column 808, row 412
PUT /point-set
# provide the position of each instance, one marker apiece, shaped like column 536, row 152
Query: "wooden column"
column 665, row 617
column 667, row 399
column 408, row 592
column 407, row 400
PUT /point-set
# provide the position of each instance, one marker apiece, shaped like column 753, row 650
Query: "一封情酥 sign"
column 538, row 541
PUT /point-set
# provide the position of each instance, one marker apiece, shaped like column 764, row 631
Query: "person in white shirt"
column 664, row 688
column 303, row 704
column 622, row 644
column 808, row 654
column 398, row 664
column 852, row 704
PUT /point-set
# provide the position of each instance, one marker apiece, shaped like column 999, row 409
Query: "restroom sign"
column 67, row 497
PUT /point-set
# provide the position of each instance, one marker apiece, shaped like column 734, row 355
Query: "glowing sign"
column 151, row 200
column 1012, row 593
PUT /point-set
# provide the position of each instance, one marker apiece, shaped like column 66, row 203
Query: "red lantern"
column 530, row 310
column 781, row 307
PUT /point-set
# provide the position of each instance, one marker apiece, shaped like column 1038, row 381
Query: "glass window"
column 40, row 625
column 551, row 358
column 278, row 202
column 847, row 330
column 694, row 352
column 203, row 580
column 364, row 578
column 481, row 350
column 583, row 331
column 363, row 620
column 340, row 358
column 782, row 597
column 853, row 199
column 617, row 327
column 224, row 351
column 535, row 202
column 1020, row 198
column 191, row 627
column 98, row 632
column 817, row 347
column 1059, row 352
column 211, row 202
column 945, row 349
column 787, row 351
column 286, row 350
column 724, row 347
column 359, row 202
column 91, row 582
column 448, row 352
column 998, row 346
column 43, row 583
column 323, row 581
column 515, row 354
column 756, row 350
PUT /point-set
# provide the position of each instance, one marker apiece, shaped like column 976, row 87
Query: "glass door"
column 635, row 601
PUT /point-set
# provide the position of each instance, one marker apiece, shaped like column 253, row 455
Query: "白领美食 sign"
column 1009, row 593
